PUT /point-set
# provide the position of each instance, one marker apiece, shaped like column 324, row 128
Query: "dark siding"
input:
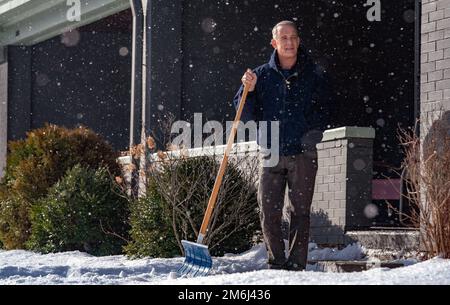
column 19, row 91
column 80, row 78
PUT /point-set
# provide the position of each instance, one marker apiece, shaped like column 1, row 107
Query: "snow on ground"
column 24, row 267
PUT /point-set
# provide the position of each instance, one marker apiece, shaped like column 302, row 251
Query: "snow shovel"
column 198, row 261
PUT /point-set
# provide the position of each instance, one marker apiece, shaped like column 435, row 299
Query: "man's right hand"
column 249, row 78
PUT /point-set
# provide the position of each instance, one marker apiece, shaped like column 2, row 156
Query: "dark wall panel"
column 19, row 91
column 166, row 67
column 82, row 77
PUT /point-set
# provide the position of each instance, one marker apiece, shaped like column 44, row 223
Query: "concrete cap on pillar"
column 348, row 132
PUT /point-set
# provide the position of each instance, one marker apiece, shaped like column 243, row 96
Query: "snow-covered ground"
column 249, row 268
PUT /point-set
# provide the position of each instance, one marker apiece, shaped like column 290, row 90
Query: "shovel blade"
column 197, row 260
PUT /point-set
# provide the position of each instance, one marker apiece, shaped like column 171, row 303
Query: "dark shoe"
column 293, row 266
column 275, row 266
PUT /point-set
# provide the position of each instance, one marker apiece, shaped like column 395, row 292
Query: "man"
column 292, row 90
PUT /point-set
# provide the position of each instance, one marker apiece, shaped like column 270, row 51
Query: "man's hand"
column 249, row 78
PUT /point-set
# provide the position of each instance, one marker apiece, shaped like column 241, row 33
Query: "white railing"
column 238, row 149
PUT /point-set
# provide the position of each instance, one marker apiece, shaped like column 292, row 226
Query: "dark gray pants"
column 299, row 173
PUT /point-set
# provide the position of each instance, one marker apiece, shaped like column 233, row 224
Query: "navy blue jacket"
column 301, row 102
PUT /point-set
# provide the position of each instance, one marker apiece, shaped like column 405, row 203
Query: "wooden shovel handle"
column 223, row 166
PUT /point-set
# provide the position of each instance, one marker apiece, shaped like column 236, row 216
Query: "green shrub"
column 84, row 211
column 37, row 163
column 14, row 223
column 177, row 195
column 151, row 232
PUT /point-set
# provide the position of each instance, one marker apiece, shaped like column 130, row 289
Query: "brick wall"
column 434, row 65
column 435, row 61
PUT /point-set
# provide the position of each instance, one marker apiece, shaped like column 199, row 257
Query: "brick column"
column 435, row 62
column 434, row 66
column 343, row 189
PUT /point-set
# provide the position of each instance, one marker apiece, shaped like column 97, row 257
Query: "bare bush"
column 185, row 183
column 427, row 185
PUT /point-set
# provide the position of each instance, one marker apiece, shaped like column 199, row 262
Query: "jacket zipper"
column 286, row 84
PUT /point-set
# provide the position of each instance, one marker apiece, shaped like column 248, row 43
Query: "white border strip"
column 240, row 148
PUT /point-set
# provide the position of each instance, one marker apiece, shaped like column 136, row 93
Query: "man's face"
column 286, row 42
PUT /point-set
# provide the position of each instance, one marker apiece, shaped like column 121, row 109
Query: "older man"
column 292, row 90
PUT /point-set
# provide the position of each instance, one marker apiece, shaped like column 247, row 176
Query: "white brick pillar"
column 434, row 62
column 343, row 189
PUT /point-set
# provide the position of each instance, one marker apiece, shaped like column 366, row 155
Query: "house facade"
column 389, row 62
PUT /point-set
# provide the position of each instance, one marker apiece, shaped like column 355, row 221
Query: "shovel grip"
column 223, row 165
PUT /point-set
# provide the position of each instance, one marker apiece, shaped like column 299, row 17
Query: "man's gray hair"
column 284, row 22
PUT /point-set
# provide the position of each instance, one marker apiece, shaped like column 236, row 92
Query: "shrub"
column 427, row 185
column 37, row 163
column 151, row 232
column 84, row 211
column 14, row 223
column 177, row 195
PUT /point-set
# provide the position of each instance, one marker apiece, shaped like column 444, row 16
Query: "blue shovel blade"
column 197, row 260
